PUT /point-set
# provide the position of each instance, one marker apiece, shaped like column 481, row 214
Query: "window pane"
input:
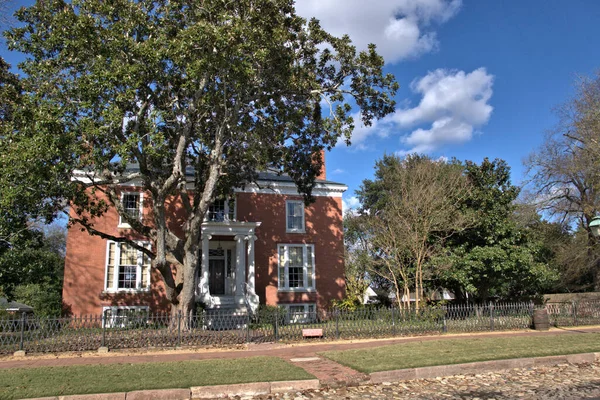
column 131, row 204
column 309, row 266
column 281, row 278
column 216, row 211
column 127, row 277
column 295, row 215
column 229, row 264
column 296, row 277
column 128, row 255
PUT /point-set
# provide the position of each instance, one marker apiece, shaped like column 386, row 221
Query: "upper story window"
column 221, row 211
column 296, row 267
column 126, row 268
column 132, row 206
column 294, row 213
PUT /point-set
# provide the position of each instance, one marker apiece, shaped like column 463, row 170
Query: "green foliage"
column 208, row 93
column 31, row 269
column 45, row 298
column 497, row 257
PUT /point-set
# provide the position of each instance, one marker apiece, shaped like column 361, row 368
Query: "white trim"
column 124, row 225
column 295, row 230
column 290, row 189
column 286, row 287
column 262, row 186
column 117, row 260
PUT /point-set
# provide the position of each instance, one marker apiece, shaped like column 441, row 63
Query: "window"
column 294, row 211
column 127, row 268
column 125, row 316
column 221, row 211
column 300, row 313
column 133, row 207
column 296, row 267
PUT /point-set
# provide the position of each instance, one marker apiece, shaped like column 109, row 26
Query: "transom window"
column 296, row 267
column 221, row 211
column 127, row 268
column 132, row 206
column 294, row 216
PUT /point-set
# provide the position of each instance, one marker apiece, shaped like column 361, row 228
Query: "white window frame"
column 309, row 316
column 286, row 287
column 114, row 288
column 117, row 322
column 226, row 211
column 287, row 213
column 122, row 222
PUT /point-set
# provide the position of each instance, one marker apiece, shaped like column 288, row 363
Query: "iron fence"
column 270, row 324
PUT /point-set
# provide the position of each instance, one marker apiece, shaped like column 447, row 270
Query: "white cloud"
column 401, row 29
column 350, row 203
column 338, row 171
column 455, row 103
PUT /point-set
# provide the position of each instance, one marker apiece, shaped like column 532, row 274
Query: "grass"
column 56, row 381
column 457, row 351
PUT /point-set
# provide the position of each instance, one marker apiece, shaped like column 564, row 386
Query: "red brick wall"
column 83, row 288
column 323, row 229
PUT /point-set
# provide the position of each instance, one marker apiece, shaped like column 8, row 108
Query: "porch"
column 227, row 272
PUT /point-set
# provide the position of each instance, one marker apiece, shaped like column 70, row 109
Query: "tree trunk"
column 186, row 300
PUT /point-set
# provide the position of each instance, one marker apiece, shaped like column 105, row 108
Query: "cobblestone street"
column 559, row 382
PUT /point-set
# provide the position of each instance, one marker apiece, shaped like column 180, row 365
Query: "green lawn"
column 55, row 381
column 457, row 351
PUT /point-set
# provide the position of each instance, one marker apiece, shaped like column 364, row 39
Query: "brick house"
column 263, row 246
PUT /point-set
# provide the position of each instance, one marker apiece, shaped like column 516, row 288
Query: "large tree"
column 498, row 256
column 410, row 209
column 199, row 95
column 564, row 171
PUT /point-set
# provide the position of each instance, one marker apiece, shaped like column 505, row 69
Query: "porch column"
column 204, row 289
column 240, row 269
column 252, row 296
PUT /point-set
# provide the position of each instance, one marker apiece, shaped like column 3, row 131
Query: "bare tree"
column 412, row 208
column 564, row 173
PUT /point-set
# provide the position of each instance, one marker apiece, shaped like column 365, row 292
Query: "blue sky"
column 478, row 78
column 528, row 55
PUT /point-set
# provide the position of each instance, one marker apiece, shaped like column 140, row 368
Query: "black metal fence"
column 210, row 328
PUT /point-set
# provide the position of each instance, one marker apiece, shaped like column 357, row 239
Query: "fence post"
column 574, row 305
column 247, row 327
column 179, row 328
column 393, row 323
column 22, row 337
column 277, row 324
column 103, row 328
column 337, row 323
column 491, row 316
column 444, row 324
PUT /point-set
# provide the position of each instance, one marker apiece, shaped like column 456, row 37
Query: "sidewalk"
column 303, row 355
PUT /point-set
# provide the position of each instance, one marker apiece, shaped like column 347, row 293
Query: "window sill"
column 298, row 290
column 117, row 291
column 295, row 231
column 123, row 226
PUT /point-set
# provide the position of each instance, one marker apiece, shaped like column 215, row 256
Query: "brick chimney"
column 323, row 173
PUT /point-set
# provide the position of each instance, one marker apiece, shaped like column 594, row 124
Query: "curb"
column 478, row 367
column 199, row 392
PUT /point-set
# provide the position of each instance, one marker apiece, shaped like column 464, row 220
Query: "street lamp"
column 595, row 226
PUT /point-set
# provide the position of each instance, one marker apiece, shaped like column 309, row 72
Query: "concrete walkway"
column 303, row 355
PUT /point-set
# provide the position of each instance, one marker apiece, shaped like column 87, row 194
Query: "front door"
column 216, row 280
